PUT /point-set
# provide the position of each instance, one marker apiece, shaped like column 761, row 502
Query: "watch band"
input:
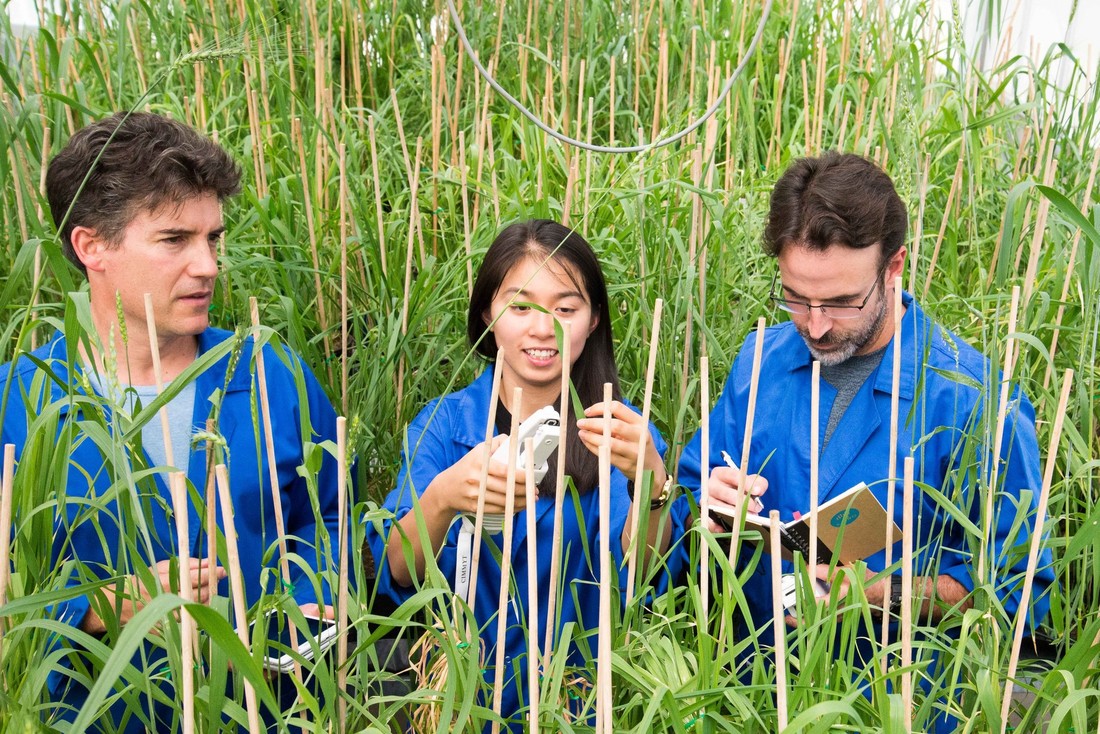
column 658, row 501
column 895, row 594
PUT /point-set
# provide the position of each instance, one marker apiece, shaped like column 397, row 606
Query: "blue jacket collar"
column 473, row 402
column 55, row 351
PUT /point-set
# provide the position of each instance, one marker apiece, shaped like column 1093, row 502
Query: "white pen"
column 756, row 505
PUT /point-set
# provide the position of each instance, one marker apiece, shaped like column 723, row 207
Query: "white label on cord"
column 464, row 557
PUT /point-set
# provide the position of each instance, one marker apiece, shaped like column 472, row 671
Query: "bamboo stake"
column 611, row 100
column 845, row 47
column 918, row 229
column 378, row 197
column 704, row 489
column 732, row 100
column 36, row 284
column 479, row 517
column 692, row 49
column 265, row 96
column 807, row 118
column 777, row 119
column 588, row 161
column 272, row 469
column 603, row 658
column 436, row 126
column 493, row 173
column 236, row 584
column 892, row 457
column 259, row 160
column 841, row 139
column 522, row 43
column 569, row 153
column 639, row 44
column 344, row 573
column 559, row 496
column 17, row 185
column 345, row 347
column 819, row 96
column 570, row 184
column 661, row 85
column 754, row 384
column 457, row 97
column 1036, row 541
column 211, row 514
column 532, row 599
column 815, row 456
column 1043, row 171
column 311, row 225
column 906, row 595
column 178, row 488
column 998, row 436
column 643, row 441
column 506, row 555
column 1085, row 202
column 7, row 489
column 643, row 296
column 955, row 183
column 154, row 352
column 357, row 33
column 199, row 72
column 566, row 87
column 483, row 123
column 1027, row 211
column 1037, row 236
column 414, row 216
column 778, row 625
column 410, row 171
column 467, row 243
column 870, row 127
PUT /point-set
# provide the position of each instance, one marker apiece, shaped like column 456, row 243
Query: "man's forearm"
column 937, row 594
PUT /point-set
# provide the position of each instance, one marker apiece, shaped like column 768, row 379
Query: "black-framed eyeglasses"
column 832, row 310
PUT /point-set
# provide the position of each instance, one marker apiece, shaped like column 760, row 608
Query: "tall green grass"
column 680, row 223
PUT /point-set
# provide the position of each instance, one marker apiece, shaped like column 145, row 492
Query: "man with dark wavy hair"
column 837, row 229
column 137, row 199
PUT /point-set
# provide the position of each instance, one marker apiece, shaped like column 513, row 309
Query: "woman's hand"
column 626, row 428
column 456, row 489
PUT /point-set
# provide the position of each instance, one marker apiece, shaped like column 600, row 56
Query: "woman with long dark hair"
column 546, row 264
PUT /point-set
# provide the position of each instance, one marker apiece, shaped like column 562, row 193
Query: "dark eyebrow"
column 834, row 299
column 183, row 231
column 559, row 296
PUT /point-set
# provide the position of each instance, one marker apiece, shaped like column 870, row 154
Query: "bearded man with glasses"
column 837, row 229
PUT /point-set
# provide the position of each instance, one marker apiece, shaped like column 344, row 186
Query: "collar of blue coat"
column 915, row 335
column 55, row 354
column 474, row 402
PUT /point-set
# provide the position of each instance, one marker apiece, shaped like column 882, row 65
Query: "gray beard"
column 846, row 345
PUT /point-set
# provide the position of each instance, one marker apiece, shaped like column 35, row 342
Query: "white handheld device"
column 280, row 655
column 788, row 585
column 544, row 428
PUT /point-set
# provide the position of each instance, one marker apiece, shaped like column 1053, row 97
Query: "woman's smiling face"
column 525, row 335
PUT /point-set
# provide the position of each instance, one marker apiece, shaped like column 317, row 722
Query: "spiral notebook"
column 850, row 527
